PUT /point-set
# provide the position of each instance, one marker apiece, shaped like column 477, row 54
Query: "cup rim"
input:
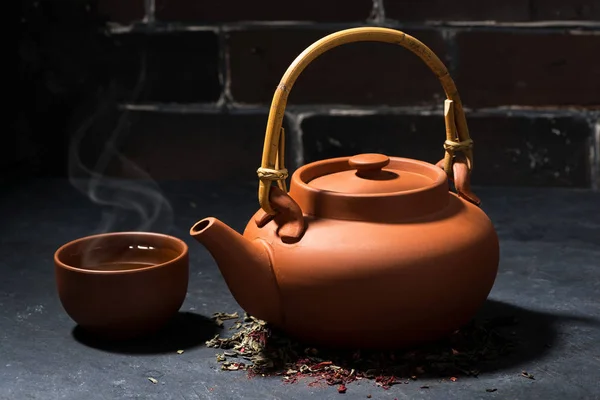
column 65, row 246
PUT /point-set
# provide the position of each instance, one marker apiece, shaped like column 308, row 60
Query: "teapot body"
column 378, row 284
column 368, row 250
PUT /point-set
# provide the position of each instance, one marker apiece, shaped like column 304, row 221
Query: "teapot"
column 367, row 250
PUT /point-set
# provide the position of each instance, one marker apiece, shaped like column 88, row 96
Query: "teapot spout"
column 246, row 267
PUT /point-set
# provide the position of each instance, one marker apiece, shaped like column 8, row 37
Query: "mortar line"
column 149, row 8
column 595, row 156
column 378, row 18
column 224, row 73
column 350, row 109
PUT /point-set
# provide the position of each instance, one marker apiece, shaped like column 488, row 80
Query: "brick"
column 174, row 146
column 265, row 10
column 573, row 10
column 122, row 62
column 504, row 11
column 180, row 66
column 534, row 151
column 416, row 137
column 458, row 10
column 522, row 68
column 513, row 151
column 356, row 73
column 122, row 11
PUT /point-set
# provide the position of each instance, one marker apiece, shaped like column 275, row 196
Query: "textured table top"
column 549, row 278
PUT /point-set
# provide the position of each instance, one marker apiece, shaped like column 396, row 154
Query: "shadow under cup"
column 122, row 285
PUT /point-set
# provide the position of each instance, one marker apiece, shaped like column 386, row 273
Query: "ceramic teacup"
column 124, row 284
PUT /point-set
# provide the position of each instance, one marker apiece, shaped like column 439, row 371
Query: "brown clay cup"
column 122, row 285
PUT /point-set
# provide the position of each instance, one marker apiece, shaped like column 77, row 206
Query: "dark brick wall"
column 180, row 67
column 264, row 10
column 533, row 151
column 460, row 10
column 198, row 77
column 359, row 73
column 528, row 68
column 206, row 146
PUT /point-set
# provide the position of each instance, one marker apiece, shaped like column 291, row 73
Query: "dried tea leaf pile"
column 261, row 350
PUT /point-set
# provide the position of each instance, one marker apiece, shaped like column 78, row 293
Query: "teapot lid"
column 370, row 187
column 371, row 173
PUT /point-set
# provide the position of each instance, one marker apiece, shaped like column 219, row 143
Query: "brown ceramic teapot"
column 368, row 250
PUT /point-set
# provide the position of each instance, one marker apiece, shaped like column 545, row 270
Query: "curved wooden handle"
column 457, row 134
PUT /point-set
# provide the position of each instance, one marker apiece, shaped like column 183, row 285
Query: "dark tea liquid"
column 124, row 258
column 118, row 266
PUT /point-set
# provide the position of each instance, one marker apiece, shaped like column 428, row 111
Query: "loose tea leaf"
column 232, row 366
column 225, row 316
column 266, row 351
column 220, row 317
column 237, row 326
column 527, row 375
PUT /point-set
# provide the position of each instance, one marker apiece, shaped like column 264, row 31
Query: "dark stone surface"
column 548, row 279
column 356, row 73
column 265, row 10
column 516, row 151
column 461, row 10
column 528, row 68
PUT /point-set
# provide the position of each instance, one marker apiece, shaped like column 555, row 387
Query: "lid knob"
column 368, row 164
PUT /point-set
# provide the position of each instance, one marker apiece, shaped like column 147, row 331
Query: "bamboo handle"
column 457, row 134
